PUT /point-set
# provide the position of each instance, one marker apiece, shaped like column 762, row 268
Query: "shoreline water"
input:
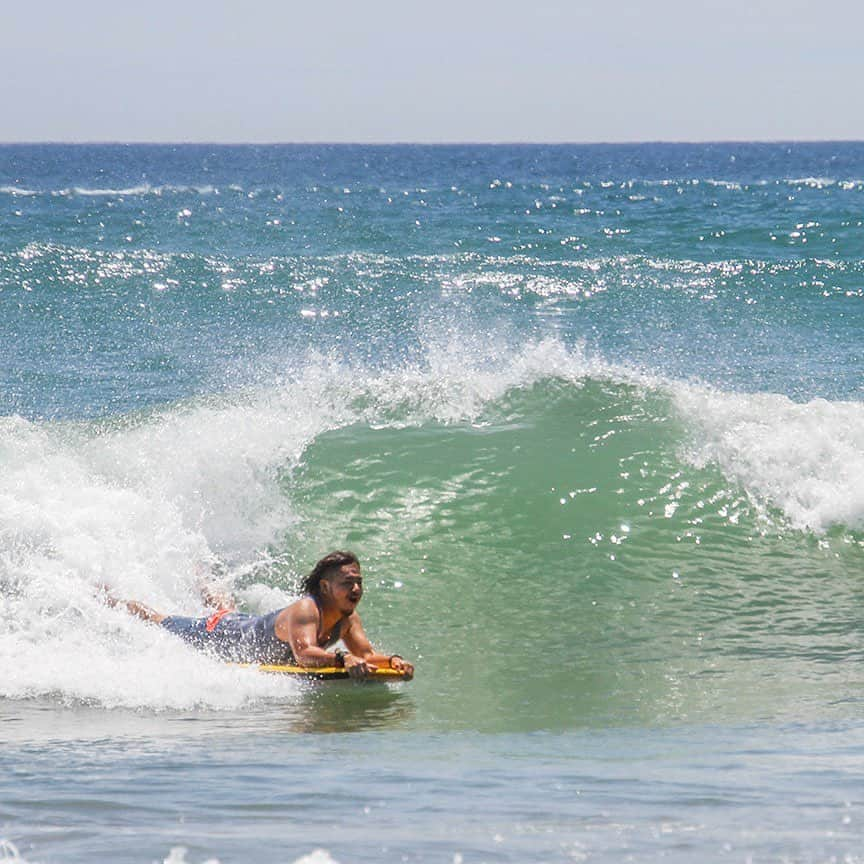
column 721, row 793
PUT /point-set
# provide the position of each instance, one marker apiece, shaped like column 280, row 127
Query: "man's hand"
column 357, row 667
column 403, row 666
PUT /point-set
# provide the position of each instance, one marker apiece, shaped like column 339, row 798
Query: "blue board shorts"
column 233, row 636
column 192, row 630
column 240, row 637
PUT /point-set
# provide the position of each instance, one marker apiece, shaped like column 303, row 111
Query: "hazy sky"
column 397, row 70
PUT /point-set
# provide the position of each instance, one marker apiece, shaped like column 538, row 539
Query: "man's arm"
column 298, row 626
column 363, row 657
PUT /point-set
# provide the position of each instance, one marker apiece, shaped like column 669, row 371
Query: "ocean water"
column 592, row 418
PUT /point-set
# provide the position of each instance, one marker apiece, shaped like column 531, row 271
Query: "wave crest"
column 807, row 459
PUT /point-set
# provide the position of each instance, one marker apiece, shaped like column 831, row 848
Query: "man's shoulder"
column 304, row 608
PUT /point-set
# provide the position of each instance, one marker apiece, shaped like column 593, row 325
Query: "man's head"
column 336, row 579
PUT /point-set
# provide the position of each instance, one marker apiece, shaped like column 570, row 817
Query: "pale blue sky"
column 395, row 70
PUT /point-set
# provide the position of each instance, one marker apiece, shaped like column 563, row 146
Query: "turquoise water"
column 590, row 416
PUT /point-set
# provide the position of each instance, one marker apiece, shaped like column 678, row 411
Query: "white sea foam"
column 100, row 192
column 742, row 185
column 811, row 182
column 177, row 855
column 126, row 191
column 731, row 185
column 139, row 509
column 317, row 856
column 17, row 191
column 806, row 459
column 9, row 853
column 144, row 189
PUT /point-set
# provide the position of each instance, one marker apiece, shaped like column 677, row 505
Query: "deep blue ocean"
column 591, row 416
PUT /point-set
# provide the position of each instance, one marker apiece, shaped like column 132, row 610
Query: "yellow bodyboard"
column 327, row 673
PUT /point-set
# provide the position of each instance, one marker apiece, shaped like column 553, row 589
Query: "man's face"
column 345, row 588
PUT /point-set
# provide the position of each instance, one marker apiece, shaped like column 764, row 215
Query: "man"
column 300, row 634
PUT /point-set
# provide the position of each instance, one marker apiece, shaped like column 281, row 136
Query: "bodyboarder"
column 300, row 634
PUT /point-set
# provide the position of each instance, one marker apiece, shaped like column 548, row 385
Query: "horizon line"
column 421, row 143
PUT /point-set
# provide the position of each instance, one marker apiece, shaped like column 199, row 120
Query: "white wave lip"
column 805, row 458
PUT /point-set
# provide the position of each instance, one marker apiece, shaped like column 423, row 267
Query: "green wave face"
column 557, row 563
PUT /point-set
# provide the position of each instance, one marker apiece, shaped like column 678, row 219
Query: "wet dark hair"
column 324, row 568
